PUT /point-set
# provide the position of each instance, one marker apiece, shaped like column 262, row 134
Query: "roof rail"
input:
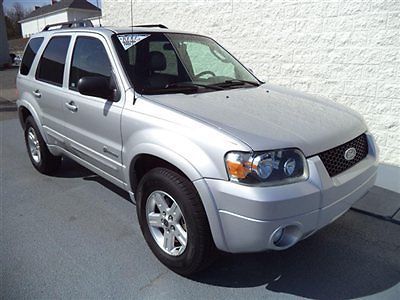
column 72, row 24
column 152, row 25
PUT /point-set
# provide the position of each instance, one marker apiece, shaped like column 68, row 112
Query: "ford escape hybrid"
column 213, row 157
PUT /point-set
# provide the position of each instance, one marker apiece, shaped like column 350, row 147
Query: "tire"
column 41, row 159
column 200, row 250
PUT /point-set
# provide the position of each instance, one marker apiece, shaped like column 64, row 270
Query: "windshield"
column 158, row 63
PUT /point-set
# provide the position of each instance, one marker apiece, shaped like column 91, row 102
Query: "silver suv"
column 213, row 157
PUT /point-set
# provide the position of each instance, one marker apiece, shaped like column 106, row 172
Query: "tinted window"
column 171, row 60
column 52, row 62
column 158, row 63
column 29, row 55
column 152, row 63
column 89, row 59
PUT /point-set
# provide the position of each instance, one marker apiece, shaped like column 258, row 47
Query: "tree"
column 14, row 14
column 11, row 32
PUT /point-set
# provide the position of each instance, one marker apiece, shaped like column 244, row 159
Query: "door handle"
column 71, row 106
column 37, row 93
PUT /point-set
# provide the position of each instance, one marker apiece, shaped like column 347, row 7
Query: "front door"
column 92, row 124
column 48, row 86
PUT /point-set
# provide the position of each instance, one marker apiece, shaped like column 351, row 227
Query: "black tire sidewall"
column 48, row 163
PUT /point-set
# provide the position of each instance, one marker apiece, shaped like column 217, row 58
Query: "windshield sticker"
column 129, row 40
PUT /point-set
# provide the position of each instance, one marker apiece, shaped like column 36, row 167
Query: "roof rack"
column 72, row 24
column 152, row 25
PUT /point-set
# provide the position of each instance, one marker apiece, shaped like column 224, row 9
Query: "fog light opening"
column 285, row 237
column 277, row 235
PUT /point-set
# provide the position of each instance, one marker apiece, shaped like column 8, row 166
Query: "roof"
column 112, row 30
column 63, row 4
column 109, row 31
column 139, row 29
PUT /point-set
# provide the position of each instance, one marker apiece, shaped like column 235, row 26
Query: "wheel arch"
column 185, row 168
column 144, row 161
column 24, row 111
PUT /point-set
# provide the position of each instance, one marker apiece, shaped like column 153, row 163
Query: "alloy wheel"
column 34, row 145
column 166, row 223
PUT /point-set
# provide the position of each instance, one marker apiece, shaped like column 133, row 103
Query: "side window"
column 29, row 55
column 89, row 59
column 52, row 62
column 167, row 50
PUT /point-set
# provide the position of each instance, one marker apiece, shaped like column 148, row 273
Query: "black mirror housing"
column 97, row 86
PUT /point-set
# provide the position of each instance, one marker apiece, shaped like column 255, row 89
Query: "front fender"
column 172, row 147
column 164, row 153
column 179, row 159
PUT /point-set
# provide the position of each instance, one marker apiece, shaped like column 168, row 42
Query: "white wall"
column 79, row 14
column 96, row 21
column 346, row 50
column 34, row 26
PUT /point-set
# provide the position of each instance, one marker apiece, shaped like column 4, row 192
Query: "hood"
column 271, row 117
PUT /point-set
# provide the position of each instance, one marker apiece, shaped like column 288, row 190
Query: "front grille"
column 334, row 160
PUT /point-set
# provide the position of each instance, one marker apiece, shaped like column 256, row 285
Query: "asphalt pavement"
column 76, row 236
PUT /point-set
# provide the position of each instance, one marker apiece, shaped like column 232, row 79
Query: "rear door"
column 48, row 88
column 92, row 124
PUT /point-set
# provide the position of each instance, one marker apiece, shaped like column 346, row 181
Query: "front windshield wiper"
column 171, row 89
column 233, row 82
column 192, row 84
column 182, row 87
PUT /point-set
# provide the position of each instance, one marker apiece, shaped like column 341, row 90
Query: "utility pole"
column 4, row 50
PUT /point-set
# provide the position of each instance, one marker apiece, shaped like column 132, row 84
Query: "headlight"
column 267, row 168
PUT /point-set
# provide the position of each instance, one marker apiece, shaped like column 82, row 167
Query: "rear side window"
column 89, row 59
column 29, row 55
column 52, row 62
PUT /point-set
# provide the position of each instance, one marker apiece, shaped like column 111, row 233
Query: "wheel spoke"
column 181, row 235
column 160, row 201
column 175, row 211
column 169, row 240
column 154, row 219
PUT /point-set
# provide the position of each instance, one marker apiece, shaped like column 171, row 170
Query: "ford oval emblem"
column 350, row 153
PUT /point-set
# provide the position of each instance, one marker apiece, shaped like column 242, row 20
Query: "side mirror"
column 98, row 87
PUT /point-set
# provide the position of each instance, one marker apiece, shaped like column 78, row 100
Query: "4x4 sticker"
column 128, row 40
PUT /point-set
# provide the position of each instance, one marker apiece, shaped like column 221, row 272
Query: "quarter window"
column 29, row 55
column 89, row 59
column 52, row 62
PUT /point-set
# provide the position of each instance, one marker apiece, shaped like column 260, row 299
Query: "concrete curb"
column 6, row 105
column 381, row 203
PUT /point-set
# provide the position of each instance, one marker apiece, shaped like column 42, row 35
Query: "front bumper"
column 246, row 217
